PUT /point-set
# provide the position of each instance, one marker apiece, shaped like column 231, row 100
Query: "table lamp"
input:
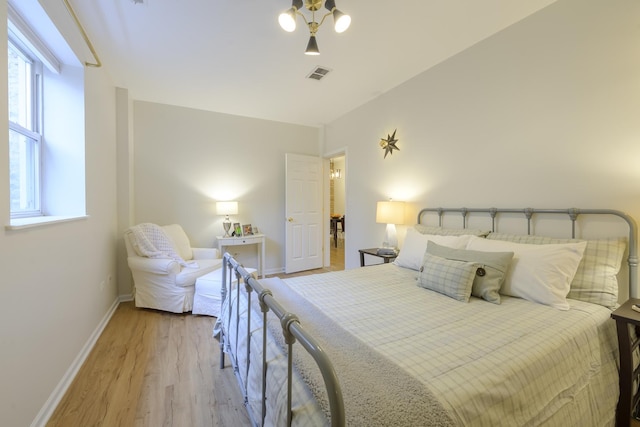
column 227, row 208
column 390, row 213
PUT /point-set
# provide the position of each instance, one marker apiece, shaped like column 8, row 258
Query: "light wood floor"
column 337, row 257
column 151, row 368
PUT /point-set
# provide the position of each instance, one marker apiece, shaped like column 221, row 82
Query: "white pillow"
column 538, row 273
column 415, row 245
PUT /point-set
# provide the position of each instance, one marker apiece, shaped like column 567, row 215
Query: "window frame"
column 36, row 117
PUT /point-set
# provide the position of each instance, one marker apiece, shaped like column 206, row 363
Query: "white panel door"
column 304, row 218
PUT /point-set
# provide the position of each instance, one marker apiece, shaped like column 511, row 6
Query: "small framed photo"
column 247, row 230
column 237, row 230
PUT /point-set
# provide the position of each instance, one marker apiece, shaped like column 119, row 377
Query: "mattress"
column 517, row 363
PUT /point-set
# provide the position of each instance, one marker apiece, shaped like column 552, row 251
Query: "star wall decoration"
column 389, row 144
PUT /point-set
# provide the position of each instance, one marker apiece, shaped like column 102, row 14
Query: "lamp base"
column 390, row 237
column 227, row 226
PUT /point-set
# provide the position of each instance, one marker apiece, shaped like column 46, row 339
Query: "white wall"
column 124, row 185
column 543, row 114
column 186, row 159
column 51, row 275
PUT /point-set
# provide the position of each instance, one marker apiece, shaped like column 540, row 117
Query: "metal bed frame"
column 293, row 331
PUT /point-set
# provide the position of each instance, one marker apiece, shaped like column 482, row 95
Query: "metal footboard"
column 292, row 331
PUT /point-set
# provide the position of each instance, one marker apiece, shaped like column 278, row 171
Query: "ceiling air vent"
column 318, row 73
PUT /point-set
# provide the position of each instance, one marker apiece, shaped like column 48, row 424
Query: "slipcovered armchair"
column 165, row 267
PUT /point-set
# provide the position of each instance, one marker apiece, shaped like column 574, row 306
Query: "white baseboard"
column 58, row 393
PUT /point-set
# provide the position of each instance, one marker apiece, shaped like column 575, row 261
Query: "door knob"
column 290, row 219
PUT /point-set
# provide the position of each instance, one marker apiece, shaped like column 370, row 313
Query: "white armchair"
column 164, row 283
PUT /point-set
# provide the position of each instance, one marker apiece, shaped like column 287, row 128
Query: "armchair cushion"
column 188, row 276
column 150, row 240
column 180, row 241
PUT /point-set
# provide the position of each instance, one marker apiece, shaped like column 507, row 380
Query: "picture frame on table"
column 247, row 230
column 237, row 229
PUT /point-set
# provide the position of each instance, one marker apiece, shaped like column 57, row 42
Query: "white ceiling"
column 231, row 55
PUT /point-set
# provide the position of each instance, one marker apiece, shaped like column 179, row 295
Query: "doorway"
column 337, row 204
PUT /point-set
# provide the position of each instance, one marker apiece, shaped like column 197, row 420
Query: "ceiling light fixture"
column 287, row 20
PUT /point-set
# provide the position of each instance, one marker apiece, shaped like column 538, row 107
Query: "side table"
column 254, row 239
column 374, row 252
column 627, row 321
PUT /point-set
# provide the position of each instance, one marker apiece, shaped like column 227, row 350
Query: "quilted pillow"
column 448, row 277
column 596, row 280
column 538, row 273
column 440, row 231
column 415, row 245
column 488, row 278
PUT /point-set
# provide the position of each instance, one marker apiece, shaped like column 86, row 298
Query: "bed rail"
column 292, row 331
column 632, row 259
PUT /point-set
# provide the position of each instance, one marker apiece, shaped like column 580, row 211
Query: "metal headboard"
column 572, row 213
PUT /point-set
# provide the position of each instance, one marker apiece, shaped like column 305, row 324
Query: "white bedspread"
column 514, row 364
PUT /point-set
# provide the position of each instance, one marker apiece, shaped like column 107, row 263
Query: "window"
column 46, row 103
column 25, row 140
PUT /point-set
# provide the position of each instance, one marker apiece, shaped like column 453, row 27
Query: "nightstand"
column 628, row 326
column 254, row 239
column 374, row 252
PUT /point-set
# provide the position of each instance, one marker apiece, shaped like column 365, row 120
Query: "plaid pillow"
column 596, row 279
column 448, row 277
column 486, row 285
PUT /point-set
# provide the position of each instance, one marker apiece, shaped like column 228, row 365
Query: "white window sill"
column 39, row 221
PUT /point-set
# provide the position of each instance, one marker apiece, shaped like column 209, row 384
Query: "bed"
column 469, row 326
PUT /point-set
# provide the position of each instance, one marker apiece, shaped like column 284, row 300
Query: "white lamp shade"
column 341, row 20
column 287, row 20
column 227, row 208
column 390, row 212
